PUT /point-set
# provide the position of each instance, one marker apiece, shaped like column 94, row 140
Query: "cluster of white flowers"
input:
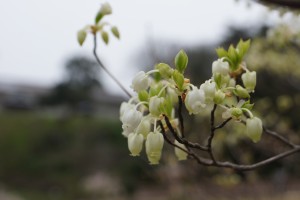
column 158, row 92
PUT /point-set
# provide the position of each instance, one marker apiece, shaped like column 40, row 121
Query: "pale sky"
column 38, row 36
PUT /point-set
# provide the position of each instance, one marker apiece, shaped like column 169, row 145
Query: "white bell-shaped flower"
column 124, row 107
column 154, row 145
column 144, row 127
column 131, row 119
column 195, row 101
column 135, row 143
column 140, row 82
column 254, row 128
column 209, row 89
column 155, row 104
column 249, row 80
column 181, row 155
column 220, row 66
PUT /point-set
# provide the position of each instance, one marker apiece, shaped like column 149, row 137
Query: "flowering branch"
column 150, row 114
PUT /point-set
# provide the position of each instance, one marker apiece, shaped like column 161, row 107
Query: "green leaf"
column 81, row 36
column 115, row 32
column 98, row 17
column 178, row 79
column 221, row 52
column 243, row 47
column 105, row 37
column 181, row 61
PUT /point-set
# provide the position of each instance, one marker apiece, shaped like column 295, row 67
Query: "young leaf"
column 181, row 61
column 178, row 79
column 221, row 52
column 98, row 17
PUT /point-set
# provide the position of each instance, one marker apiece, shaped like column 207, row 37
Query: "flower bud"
column 154, row 145
column 236, row 113
column 181, row 61
column 81, row 35
column 115, row 31
column 195, row 101
column 164, row 69
column 209, row 89
column 155, row 104
column 105, row 9
column 181, row 155
column 254, row 128
column 140, row 81
column 219, row 97
column 131, row 119
column 220, row 67
column 135, row 143
column 249, row 80
column 242, row 92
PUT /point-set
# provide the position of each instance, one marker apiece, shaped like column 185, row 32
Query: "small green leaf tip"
column 181, row 61
column 115, row 32
column 105, row 37
column 81, row 35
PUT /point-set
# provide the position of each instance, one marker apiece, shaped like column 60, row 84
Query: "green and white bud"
column 155, row 104
column 241, row 92
column 81, row 36
column 115, row 32
column 249, row 80
column 181, row 61
column 105, row 37
column 154, row 145
column 105, row 9
column 135, row 143
column 164, row 69
column 254, row 128
column 140, row 82
column 195, row 101
column 236, row 113
column 219, row 97
column 220, row 67
column 181, row 155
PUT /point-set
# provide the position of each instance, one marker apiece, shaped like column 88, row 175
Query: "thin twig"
column 168, row 140
column 258, row 164
column 106, row 70
column 179, row 111
column 279, row 137
column 183, row 140
column 222, row 124
column 212, row 133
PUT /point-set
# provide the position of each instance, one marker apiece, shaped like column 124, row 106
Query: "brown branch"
column 258, row 164
column 183, row 140
column 106, row 70
column 179, row 111
column 212, row 133
column 222, row 124
column 168, row 140
column 279, row 137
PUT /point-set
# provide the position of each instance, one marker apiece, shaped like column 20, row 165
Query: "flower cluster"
column 99, row 26
column 159, row 90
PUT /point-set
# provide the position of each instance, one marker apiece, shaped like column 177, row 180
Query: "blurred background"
column 60, row 134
